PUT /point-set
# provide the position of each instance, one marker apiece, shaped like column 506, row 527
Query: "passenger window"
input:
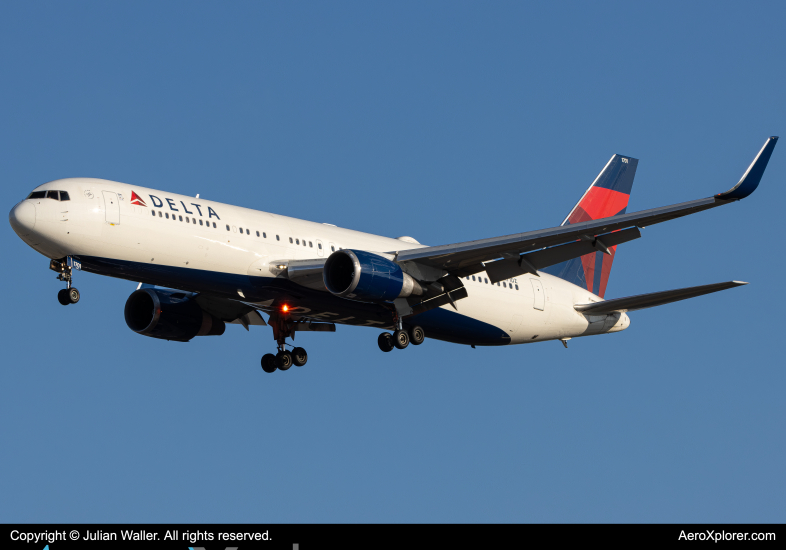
column 257, row 233
column 297, row 241
column 264, row 235
column 153, row 212
column 159, row 214
column 37, row 195
column 304, row 242
column 290, row 240
column 64, row 196
column 241, row 230
column 319, row 246
column 277, row 238
column 200, row 222
column 487, row 281
column 187, row 219
column 504, row 285
column 181, row 218
column 167, row 215
column 53, row 195
column 214, row 225
column 248, row 232
column 332, row 248
column 227, row 227
column 193, row 220
column 473, row 277
column 517, row 287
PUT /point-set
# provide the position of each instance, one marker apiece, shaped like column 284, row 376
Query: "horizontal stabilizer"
column 529, row 263
column 643, row 301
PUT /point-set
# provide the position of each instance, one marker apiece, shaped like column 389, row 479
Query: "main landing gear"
column 68, row 295
column 401, row 338
column 283, row 360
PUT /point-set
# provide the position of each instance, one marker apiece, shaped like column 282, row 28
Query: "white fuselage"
column 142, row 234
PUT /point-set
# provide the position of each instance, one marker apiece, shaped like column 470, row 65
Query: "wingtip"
column 740, row 283
column 752, row 176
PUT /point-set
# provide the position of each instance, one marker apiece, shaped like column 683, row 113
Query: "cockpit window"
column 56, row 195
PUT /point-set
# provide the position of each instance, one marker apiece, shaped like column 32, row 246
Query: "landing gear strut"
column 283, row 327
column 68, row 295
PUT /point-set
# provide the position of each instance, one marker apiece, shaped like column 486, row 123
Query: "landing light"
column 285, row 308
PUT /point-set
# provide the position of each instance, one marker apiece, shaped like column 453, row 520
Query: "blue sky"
column 446, row 121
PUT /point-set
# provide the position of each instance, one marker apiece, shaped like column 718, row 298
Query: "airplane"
column 202, row 264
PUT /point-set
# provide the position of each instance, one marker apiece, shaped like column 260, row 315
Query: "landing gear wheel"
column 385, row 342
column 416, row 336
column 269, row 363
column 62, row 296
column 299, row 357
column 73, row 295
column 283, row 360
column 400, row 339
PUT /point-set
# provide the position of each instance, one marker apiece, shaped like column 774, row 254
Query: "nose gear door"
column 112, row 208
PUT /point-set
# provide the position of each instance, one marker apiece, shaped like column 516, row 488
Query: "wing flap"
column 530, row 263
column 643, row 301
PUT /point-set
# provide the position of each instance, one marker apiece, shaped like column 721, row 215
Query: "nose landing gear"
column 68, row 295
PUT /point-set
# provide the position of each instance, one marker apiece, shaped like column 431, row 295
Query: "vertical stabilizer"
column 607, row 196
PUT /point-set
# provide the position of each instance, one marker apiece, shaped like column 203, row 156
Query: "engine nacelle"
column 169, row 315
column 366, row 277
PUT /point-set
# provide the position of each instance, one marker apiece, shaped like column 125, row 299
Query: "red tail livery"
column 607, row 196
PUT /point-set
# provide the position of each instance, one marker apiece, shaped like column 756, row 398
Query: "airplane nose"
column 22, row 218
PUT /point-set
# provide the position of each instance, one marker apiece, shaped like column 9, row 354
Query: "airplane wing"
column 643, row 301
column 465, row 258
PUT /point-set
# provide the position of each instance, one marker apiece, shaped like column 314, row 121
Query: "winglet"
column 752, row 176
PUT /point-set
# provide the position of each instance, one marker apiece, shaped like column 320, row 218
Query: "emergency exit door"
column 540, row 295
column 111, row 207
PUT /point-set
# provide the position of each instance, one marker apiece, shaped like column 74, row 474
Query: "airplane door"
column 112, row 207
column 540, row 296
column 320, row 251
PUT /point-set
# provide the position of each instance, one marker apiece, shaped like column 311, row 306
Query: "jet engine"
column 169, row 315
column 367, row 277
